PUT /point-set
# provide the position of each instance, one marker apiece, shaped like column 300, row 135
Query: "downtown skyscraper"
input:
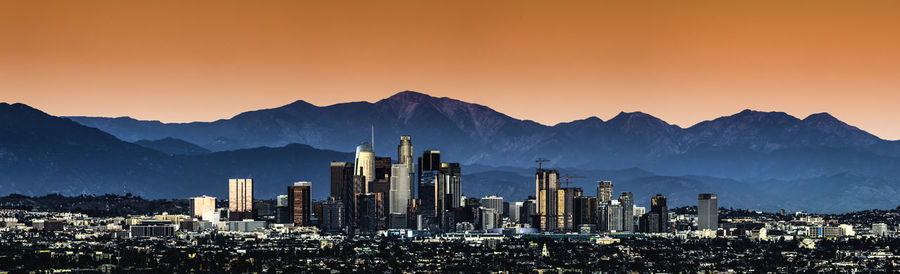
column 364, row 164
column 300, row 203
column 399, row 196
column 240, row 199
column 604, row 191
column 201, row 205
column 627, row 201
column 707, row 211
column 546, row 191
column 405, row 156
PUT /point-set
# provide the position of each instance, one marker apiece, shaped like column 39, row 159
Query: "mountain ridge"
column 40, row 154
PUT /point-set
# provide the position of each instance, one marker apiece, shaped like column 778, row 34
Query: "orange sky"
column 548, row 61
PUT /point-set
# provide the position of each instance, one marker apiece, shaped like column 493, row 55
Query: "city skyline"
column 164, row 61
column 513, row 136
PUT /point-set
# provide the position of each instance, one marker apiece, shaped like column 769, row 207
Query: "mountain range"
column 762, row 160
column 747, row 145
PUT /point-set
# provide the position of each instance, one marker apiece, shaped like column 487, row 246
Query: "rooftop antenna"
column 373, row 138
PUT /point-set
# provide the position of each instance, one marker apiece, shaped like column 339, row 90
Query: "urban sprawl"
column 410, row 215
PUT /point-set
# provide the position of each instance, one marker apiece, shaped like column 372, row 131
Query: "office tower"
column 604, row 192
column 430, row 160
column 383, row 168
column 565, row 200
column 262, row 209
column 515, row 212
column 341, row 180
column 546, row 190
column 627, row 200
column 452, row 180
column 432, row 198
column 357, row 186
column 584, row 211
column 649, row 223
column 282, row 210
column 494, row 202
column 202, row 204
column 399, row 190
column 383, row 187
column 365, row 163
column 529, row 212
column 299, row 198
column 660, row 211
column 613, row 213
column 405, row 156
column 369, row 211
column 333, row 212
column 707, row 211
column 240, row 199
column 412, row 213
column 342, row 187
column 489, row 218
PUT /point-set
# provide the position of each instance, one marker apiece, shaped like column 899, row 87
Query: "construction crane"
column 540, row 162
column 567, row 177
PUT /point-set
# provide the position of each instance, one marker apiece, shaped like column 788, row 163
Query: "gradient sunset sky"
column 548, row 61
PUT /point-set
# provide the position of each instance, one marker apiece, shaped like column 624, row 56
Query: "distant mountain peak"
column 631, row 117
column 409, row 96
column 756, row 116
column 299, row 103
column 821, row 116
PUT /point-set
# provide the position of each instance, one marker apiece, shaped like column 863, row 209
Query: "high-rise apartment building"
column 707, row 211
column 585, row 211
column 612, row 217
column 546, row 191
column 282, row 209
column 515, row 210
column 299, row 197
column 333, row 212
column 494, row 202
column 529, row 211
column 202, row 204
column 604, row 192
column 627, row 200
column 659, row 221
column 489, row 218
column 240, row 199
column 565, row 203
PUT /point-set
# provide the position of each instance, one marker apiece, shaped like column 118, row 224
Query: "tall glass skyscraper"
column 405, row 156
column 707, row 211
column 627, row 200
column 240, row 199
column 365, row 163
column 399, row 193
